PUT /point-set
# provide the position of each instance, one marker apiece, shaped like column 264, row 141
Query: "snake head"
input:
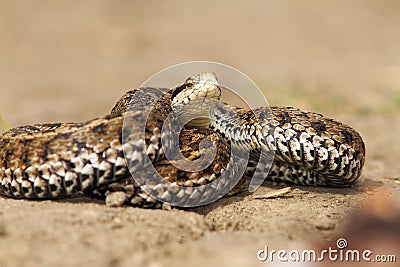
column 203, row 85
column 194, row 100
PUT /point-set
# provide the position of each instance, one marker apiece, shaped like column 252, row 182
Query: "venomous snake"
column 97, row 157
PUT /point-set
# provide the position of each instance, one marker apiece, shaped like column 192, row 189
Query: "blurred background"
column 63, row 61
column 71, row 60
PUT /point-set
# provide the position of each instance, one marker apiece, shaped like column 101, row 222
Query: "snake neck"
column 197, row 113
column 235, row 125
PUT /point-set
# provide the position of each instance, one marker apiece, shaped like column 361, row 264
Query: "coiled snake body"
column 61, row 159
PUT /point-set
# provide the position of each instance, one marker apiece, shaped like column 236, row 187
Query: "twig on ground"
column 274, row 194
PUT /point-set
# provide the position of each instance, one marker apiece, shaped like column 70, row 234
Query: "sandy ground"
column 71, row 60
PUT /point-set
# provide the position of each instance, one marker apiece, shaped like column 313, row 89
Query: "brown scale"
column 190, row 140
column 44, row 147
column 55, row 160
column 57, row 142
column 335, row 134
column 295, row 135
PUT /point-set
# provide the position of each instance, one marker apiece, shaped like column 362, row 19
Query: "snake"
column 105, row 155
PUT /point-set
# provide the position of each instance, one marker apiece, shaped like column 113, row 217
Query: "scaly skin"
column 59, row 160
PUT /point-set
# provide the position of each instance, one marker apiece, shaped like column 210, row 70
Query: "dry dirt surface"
column 71, row 60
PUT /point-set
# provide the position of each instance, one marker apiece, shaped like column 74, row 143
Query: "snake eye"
column 189, row 84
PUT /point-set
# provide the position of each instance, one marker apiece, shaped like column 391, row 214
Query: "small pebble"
column 115, row 199
column 166, row 206
column 325, row 224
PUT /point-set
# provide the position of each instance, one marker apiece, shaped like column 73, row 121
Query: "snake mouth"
column 194, row 101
